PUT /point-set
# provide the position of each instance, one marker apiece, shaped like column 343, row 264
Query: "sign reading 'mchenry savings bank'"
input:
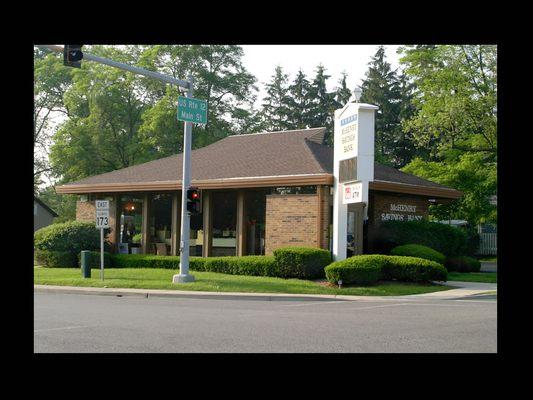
column 353, row 138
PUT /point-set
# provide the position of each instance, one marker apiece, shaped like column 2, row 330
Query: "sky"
column 261, row 60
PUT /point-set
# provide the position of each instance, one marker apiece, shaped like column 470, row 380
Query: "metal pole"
column 184, row 276
column 102, row 253
column 126, row 67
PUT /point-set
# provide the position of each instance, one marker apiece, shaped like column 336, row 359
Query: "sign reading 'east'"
column 192, row 110
column 102, row 213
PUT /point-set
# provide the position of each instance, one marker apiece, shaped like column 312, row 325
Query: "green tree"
column 299, row 102
column 276, row 104
column 51, row 80
column 105, row 107
column 384, row 88
column 342, row 93
column 322, row 104
column 219, row 78
column 456, row 121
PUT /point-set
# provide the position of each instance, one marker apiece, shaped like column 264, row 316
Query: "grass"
column 215, row 282
column 487, row 277
column 488, row 259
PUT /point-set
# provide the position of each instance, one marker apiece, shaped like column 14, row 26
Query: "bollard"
column 85, row 261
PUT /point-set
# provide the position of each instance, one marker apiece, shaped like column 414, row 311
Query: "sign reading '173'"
column 192, row 110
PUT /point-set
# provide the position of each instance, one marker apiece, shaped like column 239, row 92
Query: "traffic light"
column 72, row 55
column 194, row 201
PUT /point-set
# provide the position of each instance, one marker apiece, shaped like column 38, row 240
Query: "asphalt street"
column 67, row 323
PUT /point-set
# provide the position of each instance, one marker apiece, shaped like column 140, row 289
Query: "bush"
column 367, row 269
column 247, row 265
column 94, row 259
column 58, row 259
column 413, row 269
column 73, row 236
column 301, row 262
column 462, row 264
column 446, row 239
column 362, row 270
column 153, row 261
column 420, row 251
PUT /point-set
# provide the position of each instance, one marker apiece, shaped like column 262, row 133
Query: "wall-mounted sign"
column 352, row 193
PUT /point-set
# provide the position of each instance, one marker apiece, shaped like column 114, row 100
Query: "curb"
column 119, row 292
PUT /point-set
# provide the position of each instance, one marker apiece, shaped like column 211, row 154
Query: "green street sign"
column 192, row 110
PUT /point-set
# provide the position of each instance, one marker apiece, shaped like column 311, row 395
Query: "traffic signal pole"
column 183, row 276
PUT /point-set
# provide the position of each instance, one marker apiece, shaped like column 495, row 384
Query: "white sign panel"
column 102, row 213
column 353, row 193
column 348, row 137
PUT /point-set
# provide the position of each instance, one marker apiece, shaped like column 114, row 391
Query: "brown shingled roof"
column 258, row 155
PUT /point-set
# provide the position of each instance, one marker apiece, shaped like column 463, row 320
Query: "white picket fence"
column 488, row 244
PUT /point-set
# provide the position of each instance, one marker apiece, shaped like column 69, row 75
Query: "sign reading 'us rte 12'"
column 192, row 110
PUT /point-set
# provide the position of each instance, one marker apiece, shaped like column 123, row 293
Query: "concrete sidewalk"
column 461, row 291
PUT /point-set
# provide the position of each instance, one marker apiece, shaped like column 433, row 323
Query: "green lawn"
column 487, row 277
column 215, row 282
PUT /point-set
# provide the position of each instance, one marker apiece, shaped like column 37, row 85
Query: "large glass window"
column 255, row 213
column 196, row 237
column 224, row 223
column 160, row 226
column 131, row 212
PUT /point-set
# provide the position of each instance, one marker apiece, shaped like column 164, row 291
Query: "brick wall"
column 392, row 206
column 86, row 211
column 291, row 220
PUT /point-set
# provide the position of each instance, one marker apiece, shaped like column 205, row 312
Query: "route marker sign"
column 102, row 214
column 192, row 110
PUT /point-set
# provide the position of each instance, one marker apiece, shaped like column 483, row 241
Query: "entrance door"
column 354, row 240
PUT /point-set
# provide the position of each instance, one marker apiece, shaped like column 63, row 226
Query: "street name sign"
column 192, row 110
column 102, row 213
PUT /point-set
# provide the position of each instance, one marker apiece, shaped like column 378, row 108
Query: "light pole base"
column 182, row 278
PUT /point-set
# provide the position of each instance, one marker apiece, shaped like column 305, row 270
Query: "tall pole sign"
column 102, row 222
column 353, row 167
column 190, row 111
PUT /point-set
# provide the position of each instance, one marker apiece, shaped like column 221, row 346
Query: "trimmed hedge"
column 462, row 264
column 368, row 269
column 362, row 270
column 446, row 239
column 413, row 269
column 420, row 251
column 292, row 262
column 301, row 262
column 94, row 259
column 58, row 259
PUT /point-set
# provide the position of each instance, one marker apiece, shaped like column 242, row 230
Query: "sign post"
column 102, row 222
column 353, row 169
column 190, row 111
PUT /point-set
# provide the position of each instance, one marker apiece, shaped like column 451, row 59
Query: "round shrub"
column 462, row 264
column 446, row 239
column 55, row 259
column 362, row 270
column 420, row 251
column 72, row 236
column 413, row 269
column 301, row 262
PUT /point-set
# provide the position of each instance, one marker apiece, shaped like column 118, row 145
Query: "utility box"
column 85, row 261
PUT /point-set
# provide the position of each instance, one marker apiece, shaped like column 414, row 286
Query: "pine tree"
column 342, row 94
column 322, row 104
column 276, row 105
column 383, row 88
column 299, row 102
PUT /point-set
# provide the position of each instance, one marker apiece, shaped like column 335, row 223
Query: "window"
column 294, row 190
column 131, row 212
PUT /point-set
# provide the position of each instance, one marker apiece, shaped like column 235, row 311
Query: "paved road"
column 95, row 323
